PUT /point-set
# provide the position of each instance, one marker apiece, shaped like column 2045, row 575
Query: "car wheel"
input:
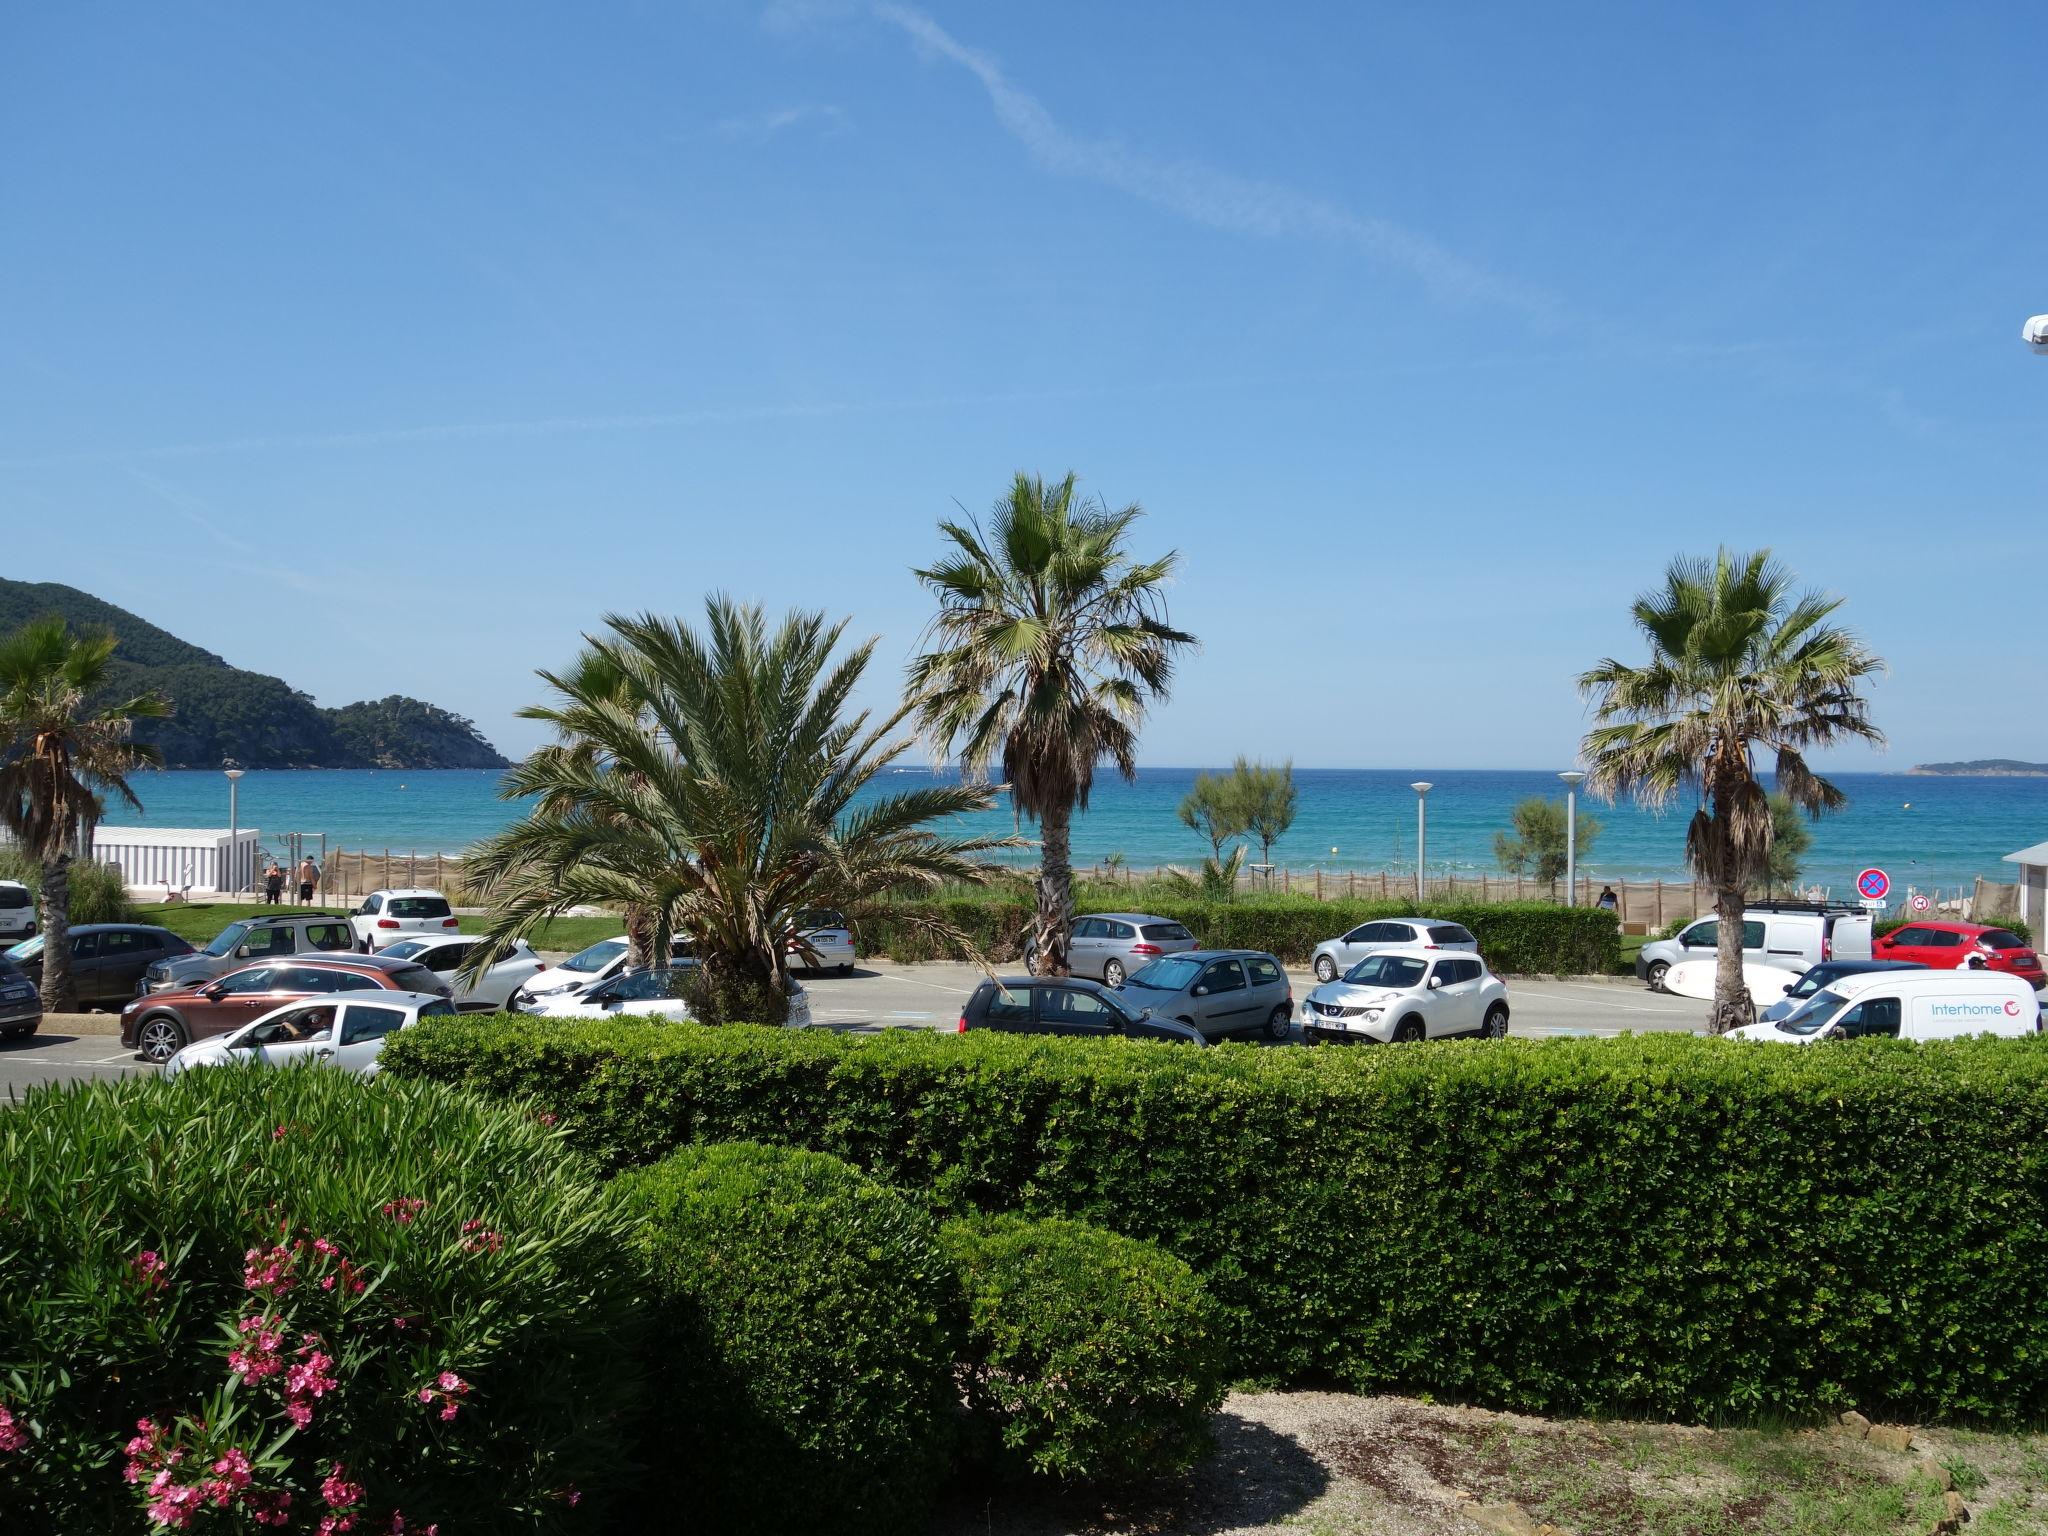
column 1408, row 1031
column 1496, row 1022
column 1655, row 975
column 1031, row 960
column 159, row 1039
column 1326, row 968
column 1279, row 1022
column 846, row 969
column 1112, row 973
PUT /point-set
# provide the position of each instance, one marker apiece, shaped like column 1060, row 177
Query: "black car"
column 21, row 1009
column 1799, row 989
column 1031, row 1005
column 107, row 959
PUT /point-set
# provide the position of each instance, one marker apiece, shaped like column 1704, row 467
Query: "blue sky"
column 385, row 348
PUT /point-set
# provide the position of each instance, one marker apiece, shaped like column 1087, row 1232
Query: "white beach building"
column 2033, row 863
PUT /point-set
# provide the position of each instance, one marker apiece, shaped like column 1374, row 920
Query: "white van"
column 1792, row 935
column 17, row 912
column 1907, row 1005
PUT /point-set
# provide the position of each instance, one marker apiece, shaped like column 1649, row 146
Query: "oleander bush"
column 97, row 894
column 246, row 1300
column 1656, row 1224
column 806, row 1377
column 1090, row 1357
column 1514, row 936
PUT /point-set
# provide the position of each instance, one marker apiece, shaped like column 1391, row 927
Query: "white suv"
column 385, row 917
column 1408, row 994
column 1335, row 956
column 17, row 912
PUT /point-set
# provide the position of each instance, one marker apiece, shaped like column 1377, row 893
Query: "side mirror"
column 209, row 993
column 1835, row 1032
column 1789, row 986
column 1201, row 992
column 241, row 952
column 1435, row 982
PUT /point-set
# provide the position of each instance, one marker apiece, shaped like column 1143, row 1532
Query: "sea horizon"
column 1930, row 831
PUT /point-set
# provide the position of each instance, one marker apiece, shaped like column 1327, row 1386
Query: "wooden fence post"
column 1319, row 882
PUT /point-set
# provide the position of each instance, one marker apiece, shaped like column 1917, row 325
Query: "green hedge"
column 1662, row 1223
column 806, row 1364
column 1090, row 1357
column 1515, row 936
column 282, row 1271
column 97, row 894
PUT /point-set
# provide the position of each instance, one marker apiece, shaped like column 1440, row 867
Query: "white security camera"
column 2036, row 333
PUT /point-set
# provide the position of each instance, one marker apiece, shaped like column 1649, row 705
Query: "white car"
column 1408, row 994
column 583, row 970
column 651, row 994
column 1913, row 1005
column 345, row 1031
column 822, row 933
column 1333, row 957
column 444, row 957
column 385, row 917
column 17, row 912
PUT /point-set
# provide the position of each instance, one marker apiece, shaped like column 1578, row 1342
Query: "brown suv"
column 157, row 1025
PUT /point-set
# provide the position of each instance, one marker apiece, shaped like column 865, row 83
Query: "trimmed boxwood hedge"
column 1517, row 937
column 806, row 1363
column 1664, row 1223
column 1089, row 1357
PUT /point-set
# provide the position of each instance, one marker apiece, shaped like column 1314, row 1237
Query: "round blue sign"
column 1874, row 885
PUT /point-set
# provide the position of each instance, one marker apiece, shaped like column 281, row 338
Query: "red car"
column 1945, row 946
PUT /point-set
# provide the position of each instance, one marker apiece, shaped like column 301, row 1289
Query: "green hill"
column 259, row 720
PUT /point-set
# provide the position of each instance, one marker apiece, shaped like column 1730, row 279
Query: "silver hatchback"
column 1218, row 991
column 1111, row 945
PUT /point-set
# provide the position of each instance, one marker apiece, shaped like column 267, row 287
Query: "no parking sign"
column 1874, row 885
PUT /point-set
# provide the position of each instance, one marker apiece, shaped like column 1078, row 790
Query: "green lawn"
column 201, row 920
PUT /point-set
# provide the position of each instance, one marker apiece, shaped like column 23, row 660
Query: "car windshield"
column 1399, row 971
column 1165, row 975
column 27, row 949
column 1998, row 938
column 1815, row 1015
column 818, row 917
column 416, row 906
column 13, row 896
column 225, row 941
column 597, row 957
column 404, row 949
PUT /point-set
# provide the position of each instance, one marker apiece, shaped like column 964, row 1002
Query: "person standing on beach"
column 309, row 880
column 273, row 884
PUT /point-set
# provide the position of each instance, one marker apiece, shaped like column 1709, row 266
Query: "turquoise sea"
column 1928, row 832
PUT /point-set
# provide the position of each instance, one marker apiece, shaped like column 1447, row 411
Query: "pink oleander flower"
column 257, row 1358
column 12, row 1437
column 404, row 1209
column 175, row 1505
column 231, row 1473
column 269, row 1271
column 148, row 1270
column 146, row 1451
column 324, row 1248
column 280, row 1133
column 268, row 1506
column 478, row 1238
column 448, row 1389
column 338, row 1491
column 400, row 1528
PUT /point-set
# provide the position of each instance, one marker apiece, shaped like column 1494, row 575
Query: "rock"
column 1890, row 1437
column 1953, row 1508
column 1935, row 1472
column 1853, row 1425
column 1504, row 1519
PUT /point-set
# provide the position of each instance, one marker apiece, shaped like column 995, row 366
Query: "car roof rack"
column 1800, row 906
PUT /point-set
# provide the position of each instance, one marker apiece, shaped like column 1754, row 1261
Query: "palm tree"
column 1739, row 665
column 705, row 785
column 1050, row 642
column 59, row 755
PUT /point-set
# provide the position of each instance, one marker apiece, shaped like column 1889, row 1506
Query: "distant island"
column 222, row 711
column 1985, row 768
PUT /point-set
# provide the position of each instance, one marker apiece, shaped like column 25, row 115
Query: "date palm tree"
column 1049, row 642
column 1739, row 665
column 60, row 754
column 706, row 785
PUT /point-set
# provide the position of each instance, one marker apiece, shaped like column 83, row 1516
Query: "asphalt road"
column 883, row 996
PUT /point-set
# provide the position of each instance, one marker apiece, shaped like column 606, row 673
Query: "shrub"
column 1660, row 1223
column 1092, row 1356
column 807, row 1381
column 244, row 1291
column 1515, row 936
column 97, row 894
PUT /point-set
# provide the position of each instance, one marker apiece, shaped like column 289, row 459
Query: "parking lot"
column 882, row 996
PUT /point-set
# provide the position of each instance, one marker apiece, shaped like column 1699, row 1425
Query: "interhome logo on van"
column 1974, row 1010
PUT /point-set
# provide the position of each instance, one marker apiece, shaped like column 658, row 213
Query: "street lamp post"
column 1572, row 779
column 1422, row 787
column 234, row 829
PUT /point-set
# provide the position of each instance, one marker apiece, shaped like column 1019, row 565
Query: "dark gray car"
column 1218, row 991
column 253, row 938
column 1023, row 1005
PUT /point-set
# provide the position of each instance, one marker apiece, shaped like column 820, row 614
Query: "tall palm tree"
column 1739, row 665
column 59, row 755
column 1050, row 640
column 706, row 785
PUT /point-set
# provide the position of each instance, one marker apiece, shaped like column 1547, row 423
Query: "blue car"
column 1821, row 975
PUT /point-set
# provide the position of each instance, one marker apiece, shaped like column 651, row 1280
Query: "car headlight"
column 1372, row 1015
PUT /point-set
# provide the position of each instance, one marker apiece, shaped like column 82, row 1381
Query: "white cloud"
column 1205, row 195
column 759, row 127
